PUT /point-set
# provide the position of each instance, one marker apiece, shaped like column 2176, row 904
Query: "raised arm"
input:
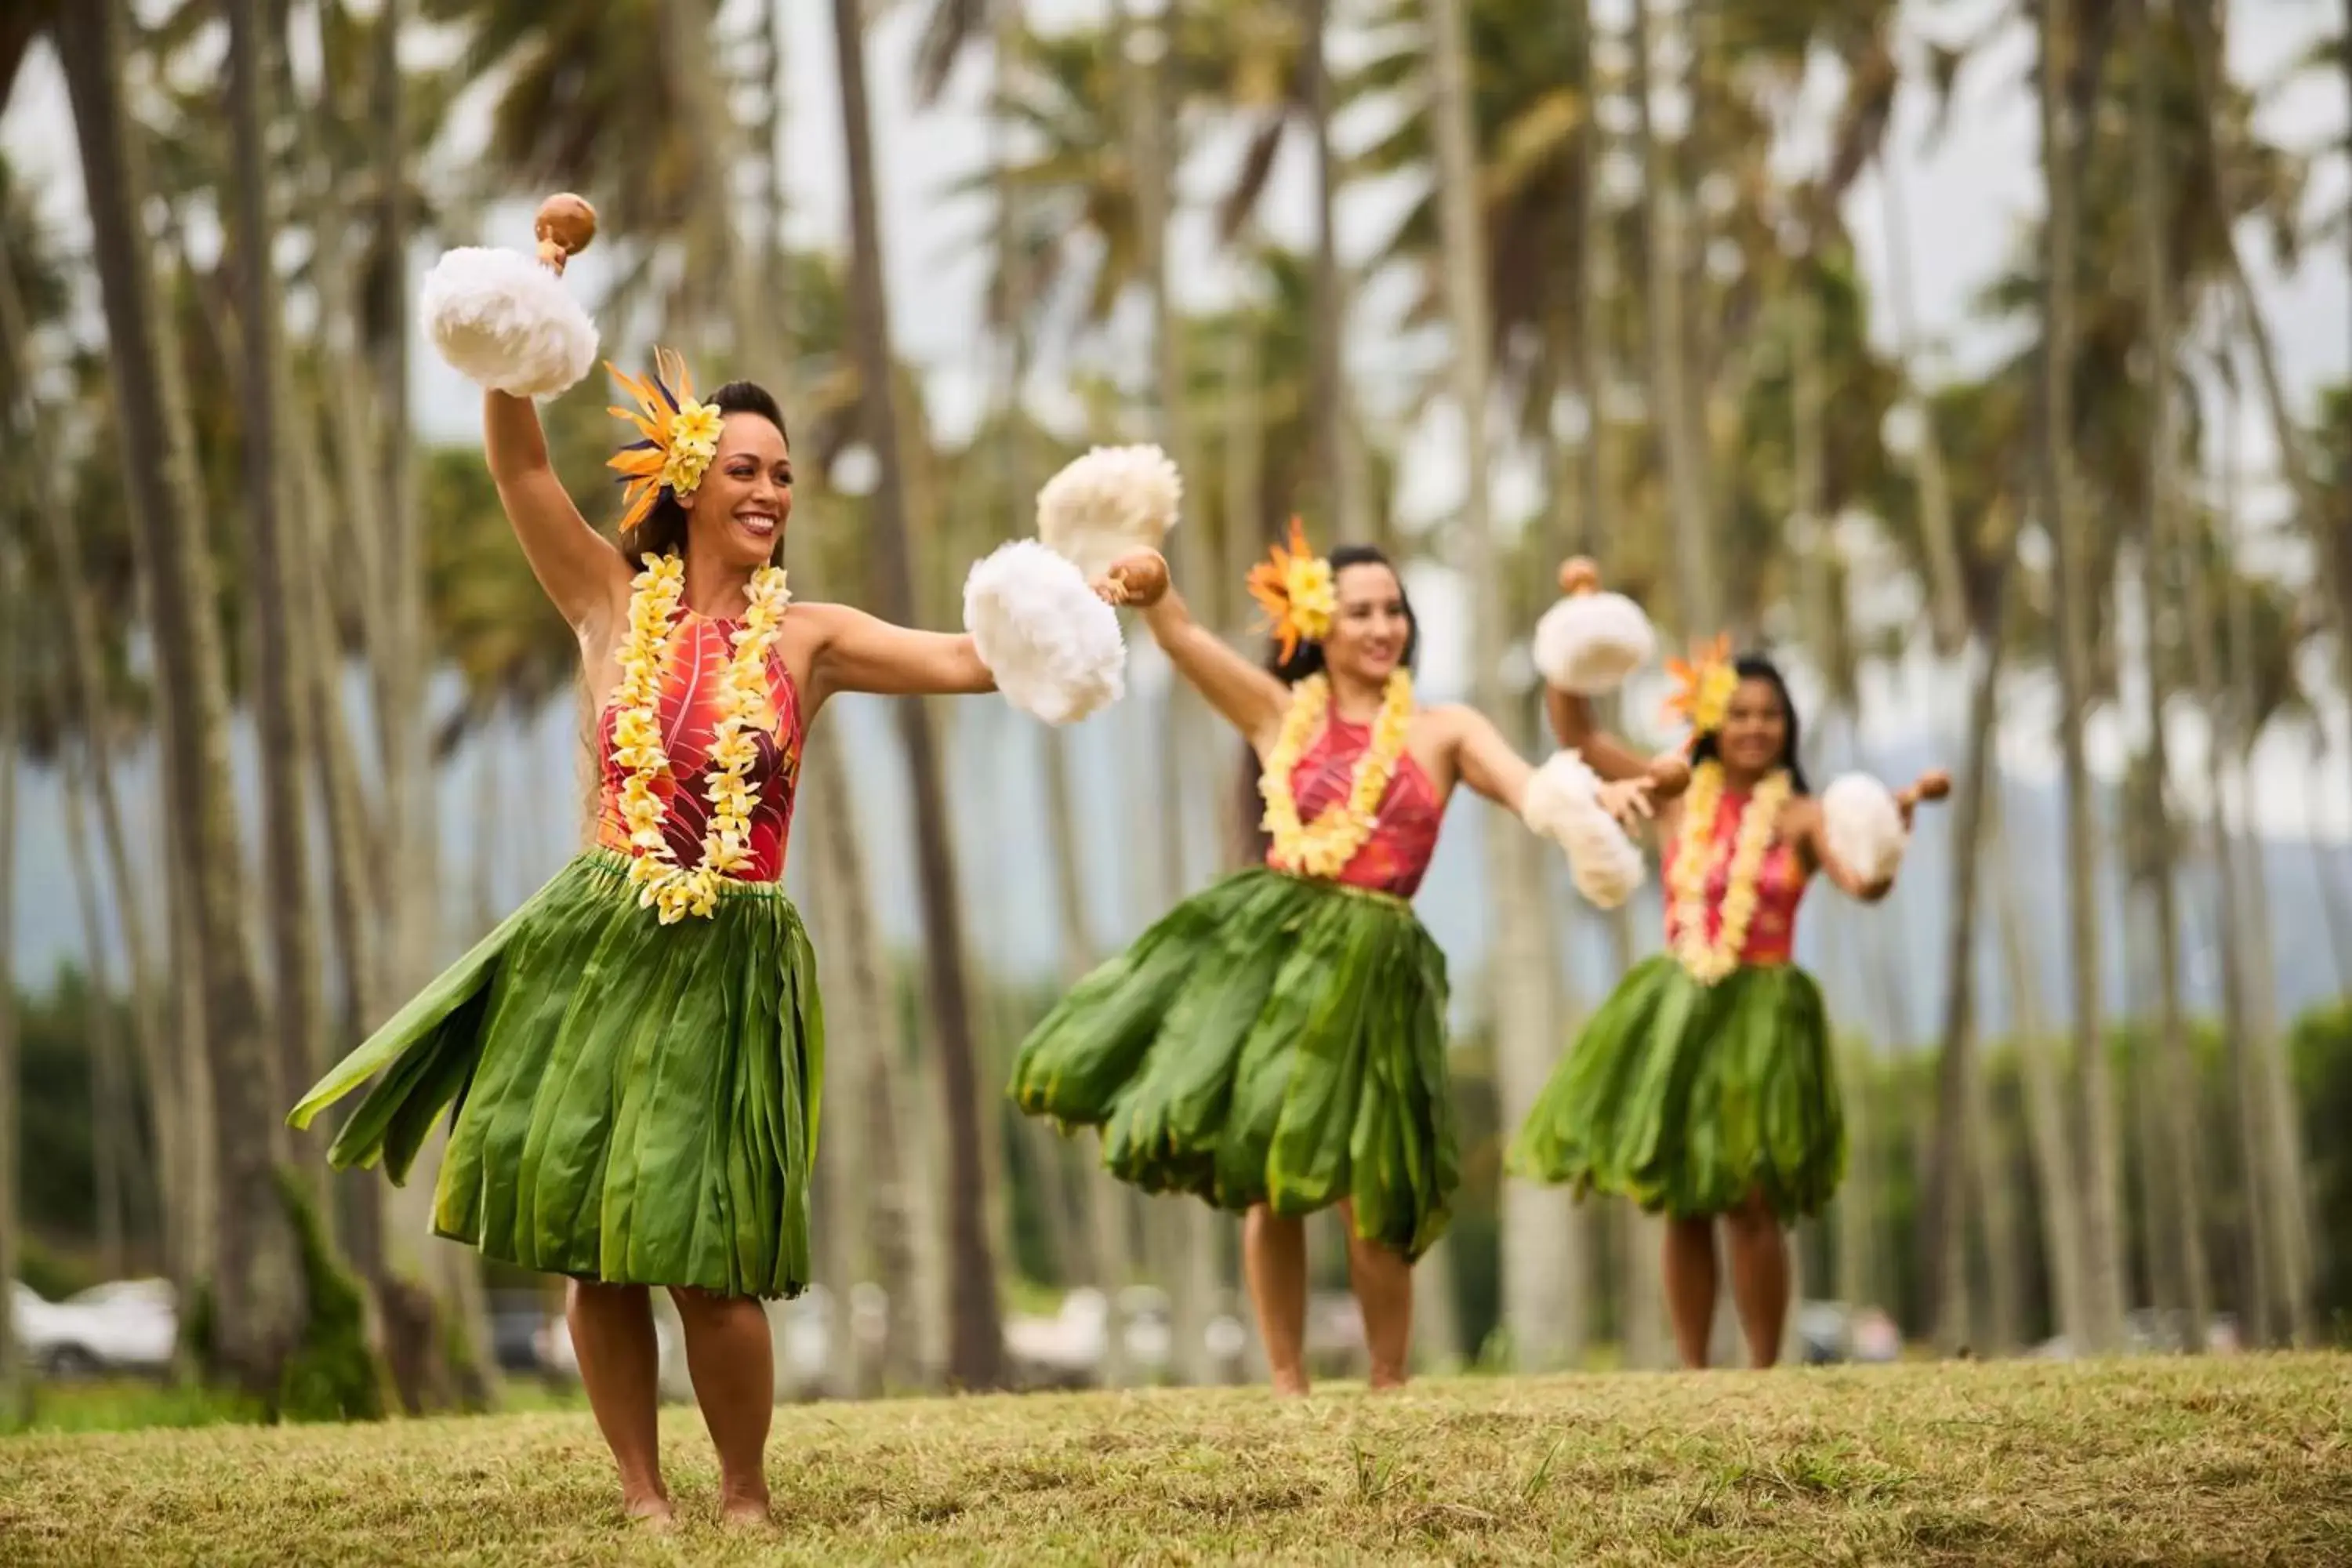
column 1574, row 727
column 1251, row 699
column 584, row 575
column 857, row 652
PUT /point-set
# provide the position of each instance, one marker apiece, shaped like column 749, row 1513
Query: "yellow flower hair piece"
column 1704, row 684
column 663, row 885
column 677, row 437
column 1294, row 589
column 1711, row 961
column 1324, row 846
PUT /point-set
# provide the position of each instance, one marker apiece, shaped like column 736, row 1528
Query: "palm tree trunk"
column 2003, row 1328
column 976, row 1352
column 2046, row 1115
column 257, row 1288
column 2176, row 1068
column 1699, row 595
column 112, row 1130
column 860, row 1013
column 1324, row 381
column 84, row 700
column 286, row 874
column 2101, row 1178
column 1957, row 1068
column 15, row 1389
column 1590, row 365
column 2282, row 1142
column 1536, row 1220
column 1946, row 598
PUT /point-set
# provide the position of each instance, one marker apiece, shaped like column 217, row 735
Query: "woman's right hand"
column 1628, row 800
column 1139, row 581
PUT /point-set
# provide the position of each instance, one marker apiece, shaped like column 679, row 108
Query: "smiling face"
column 745, row 499
column 1755, row 735
column 1369, row 632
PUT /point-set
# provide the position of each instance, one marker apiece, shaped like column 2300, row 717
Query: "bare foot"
column 1385, row 1382
column 1290, row 1385
column 649, row 1510
column 746, row 1510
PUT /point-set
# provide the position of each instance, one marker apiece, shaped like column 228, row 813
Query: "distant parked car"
column 1830, row 1332
column 125, row 1325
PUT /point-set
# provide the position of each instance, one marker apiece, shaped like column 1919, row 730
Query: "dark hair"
column 1755, row 667
column 662, row 531
column 1307, row 658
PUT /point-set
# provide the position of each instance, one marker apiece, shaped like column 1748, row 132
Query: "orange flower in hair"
column 678, row 437
column 1704, row 684
column 1294, row 589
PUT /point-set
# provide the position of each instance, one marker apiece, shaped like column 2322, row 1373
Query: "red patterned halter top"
column 1404, row 827
column 1780, row 888
column 700, row 647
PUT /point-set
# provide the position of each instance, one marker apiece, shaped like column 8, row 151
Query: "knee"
column 595, row 1296
column 1754, row 1219
column 698, row 1305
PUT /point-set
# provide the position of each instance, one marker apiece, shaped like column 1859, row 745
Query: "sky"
column 1967, row 197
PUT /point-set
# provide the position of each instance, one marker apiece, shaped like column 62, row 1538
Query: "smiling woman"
column 1704, row 1088
column 1275, row 1045
column 636, row 1054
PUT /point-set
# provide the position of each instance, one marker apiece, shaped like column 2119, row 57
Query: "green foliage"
column 331, row 1375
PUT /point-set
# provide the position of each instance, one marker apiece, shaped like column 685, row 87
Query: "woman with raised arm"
column 1277, row 1043
column 1705, row 1087
column 636, row 1054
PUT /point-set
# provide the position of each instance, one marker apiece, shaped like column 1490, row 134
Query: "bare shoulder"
column 813, row 623
column 1451, row 721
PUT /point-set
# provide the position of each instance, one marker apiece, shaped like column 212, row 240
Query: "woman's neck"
column 1739, row 781
column 715, row 590
column 1355, row 698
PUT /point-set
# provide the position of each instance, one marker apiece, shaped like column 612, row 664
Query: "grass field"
column 2245, row 1460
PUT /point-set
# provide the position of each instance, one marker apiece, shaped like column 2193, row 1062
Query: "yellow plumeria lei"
column 673, row 891
column 1323, row 848
column 1709, row 962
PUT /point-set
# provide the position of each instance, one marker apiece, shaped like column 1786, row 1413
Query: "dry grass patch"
column 2245, row 1460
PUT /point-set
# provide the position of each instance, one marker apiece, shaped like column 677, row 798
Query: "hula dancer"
column 636, row 1054
column 1704, row 1088
column 1276, row 1044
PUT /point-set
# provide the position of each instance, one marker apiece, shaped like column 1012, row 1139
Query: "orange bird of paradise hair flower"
column 1704, row 684
column 677, row 437
column 1294, row 588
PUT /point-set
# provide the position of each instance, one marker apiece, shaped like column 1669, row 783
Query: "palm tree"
column 283, row 695
column 976, row 1347
column 1671, row 410
column 2061, row 514
column 83, row 676
column 14, row 1390
column 257, row 1283
column 1537, row 1221
column 2176, row 1068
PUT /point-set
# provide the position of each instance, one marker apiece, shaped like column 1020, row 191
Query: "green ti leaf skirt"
column 1272, row 1040
column 1688, row 1097
column 636, row 1103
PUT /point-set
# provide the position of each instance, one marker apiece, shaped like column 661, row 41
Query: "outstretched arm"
column 585, row 576
column 1251, row 699
column 858, row 652
column 1574, row 727
column 1873, row 880
column 1489, row 765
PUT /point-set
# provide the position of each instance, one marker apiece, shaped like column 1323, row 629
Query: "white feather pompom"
column 1111, row 502
column 1863, row 826
column 507, row 322
column 1589, row 642
column 1563, row 805
column 1053, row 646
